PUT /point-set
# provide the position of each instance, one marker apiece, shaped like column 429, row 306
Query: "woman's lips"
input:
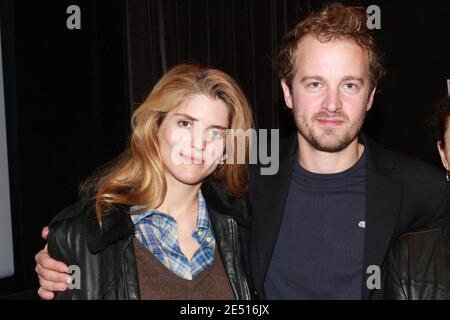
column 192, row 160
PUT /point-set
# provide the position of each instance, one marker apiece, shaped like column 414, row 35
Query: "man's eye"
column 184, row 124
column 314, row 85
column 351, row 86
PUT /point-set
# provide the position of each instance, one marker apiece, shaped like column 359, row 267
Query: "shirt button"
column 208, row 239
column 200, row 233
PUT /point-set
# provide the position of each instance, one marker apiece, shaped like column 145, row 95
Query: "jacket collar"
column 116, row 225
column 221, row 202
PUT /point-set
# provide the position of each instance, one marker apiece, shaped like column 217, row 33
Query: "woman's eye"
column 184, row 124
column 216, row 133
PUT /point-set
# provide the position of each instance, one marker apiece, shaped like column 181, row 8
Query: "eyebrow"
column 195, row 119
column 312, row 78
column 186, row 116
column 347, row 78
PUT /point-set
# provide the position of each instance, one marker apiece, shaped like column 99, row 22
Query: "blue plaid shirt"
column 158, row 232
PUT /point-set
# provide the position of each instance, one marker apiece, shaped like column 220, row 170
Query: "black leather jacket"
column 418, row 267
column 106, row 257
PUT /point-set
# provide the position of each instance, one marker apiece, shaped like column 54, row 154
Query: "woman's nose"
column 198, row 140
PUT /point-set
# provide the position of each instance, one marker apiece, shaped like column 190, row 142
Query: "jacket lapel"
column 268, row 194
column 383, row 200
column 227, row 212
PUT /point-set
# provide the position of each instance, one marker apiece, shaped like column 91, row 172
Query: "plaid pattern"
column 158, row 232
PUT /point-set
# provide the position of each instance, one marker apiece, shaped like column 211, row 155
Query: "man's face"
column 330, row 92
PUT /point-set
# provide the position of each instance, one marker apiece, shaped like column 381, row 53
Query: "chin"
column 334, row 144
column 190, row 177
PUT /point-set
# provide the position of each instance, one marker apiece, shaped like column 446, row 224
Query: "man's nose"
column 332, row 101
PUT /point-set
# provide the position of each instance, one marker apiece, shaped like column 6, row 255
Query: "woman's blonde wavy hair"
column 137, row 176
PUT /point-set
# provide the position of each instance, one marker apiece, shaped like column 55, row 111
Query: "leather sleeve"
column 394, row 287
column 58, row 250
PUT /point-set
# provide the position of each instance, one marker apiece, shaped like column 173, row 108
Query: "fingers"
column 44, row 294
column 44, row 233
column 52, row 286
column 53, row 276
column 52, row 273
column 45, row 261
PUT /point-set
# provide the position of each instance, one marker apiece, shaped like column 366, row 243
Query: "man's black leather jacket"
column 105, row 256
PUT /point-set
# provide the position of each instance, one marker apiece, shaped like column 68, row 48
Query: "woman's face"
column 192, row 138
column 444, row 148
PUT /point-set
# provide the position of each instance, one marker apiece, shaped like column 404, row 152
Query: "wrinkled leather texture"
column 418, row 268
column 105, row 255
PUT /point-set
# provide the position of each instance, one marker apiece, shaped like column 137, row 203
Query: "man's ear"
column 370, row 101
column 441, row 150
column 287, row 94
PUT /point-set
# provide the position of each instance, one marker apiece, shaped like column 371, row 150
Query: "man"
column 323, row 224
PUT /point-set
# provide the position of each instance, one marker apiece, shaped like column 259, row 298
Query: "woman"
column 167, row 219
column 418, row 266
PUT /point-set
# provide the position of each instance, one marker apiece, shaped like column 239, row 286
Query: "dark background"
column 70, row 93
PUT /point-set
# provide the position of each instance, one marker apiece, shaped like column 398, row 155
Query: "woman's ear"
column 441, row 148
column 224, row 157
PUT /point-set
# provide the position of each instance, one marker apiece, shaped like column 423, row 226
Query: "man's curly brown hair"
column 334, row 22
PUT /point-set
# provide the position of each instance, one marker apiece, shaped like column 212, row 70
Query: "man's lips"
column 330, row 122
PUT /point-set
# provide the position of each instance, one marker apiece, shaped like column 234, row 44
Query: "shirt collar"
column 203, row 221
column 138, row 217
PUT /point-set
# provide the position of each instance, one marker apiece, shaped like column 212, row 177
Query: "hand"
column 52, row 273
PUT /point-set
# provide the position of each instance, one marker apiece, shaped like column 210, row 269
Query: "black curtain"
column 241, row 37
column 66, row 111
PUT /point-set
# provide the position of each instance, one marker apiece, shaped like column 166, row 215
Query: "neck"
column 181, row 199
column 322, row 162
